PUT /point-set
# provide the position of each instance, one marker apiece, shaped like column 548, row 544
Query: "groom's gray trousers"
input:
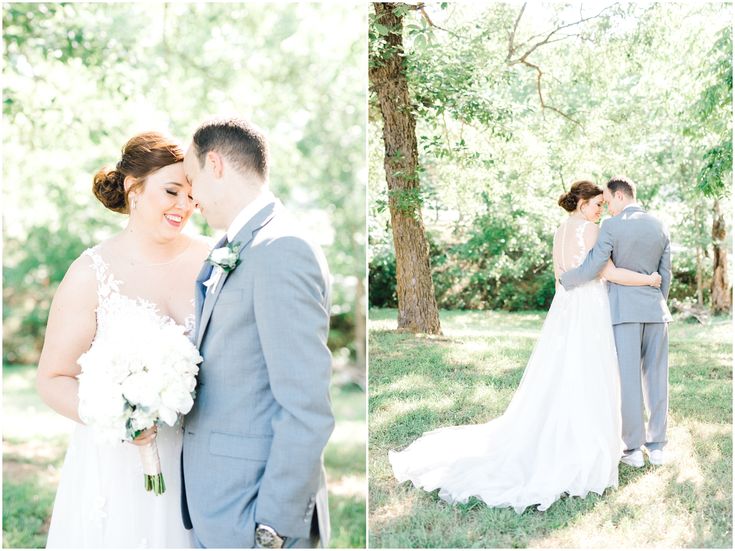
column 290, row 543
column 643, row 359
column 639, row 242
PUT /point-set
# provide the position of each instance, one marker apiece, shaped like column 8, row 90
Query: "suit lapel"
column 200, row 290
column 244, row 238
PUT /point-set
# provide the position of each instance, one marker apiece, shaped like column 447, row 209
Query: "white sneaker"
column 656, row 457
column 633, row 459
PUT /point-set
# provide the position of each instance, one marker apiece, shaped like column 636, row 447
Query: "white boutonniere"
column 227, row 257
column 224, row 259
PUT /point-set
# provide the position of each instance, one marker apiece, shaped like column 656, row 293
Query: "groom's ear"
column 215, row 162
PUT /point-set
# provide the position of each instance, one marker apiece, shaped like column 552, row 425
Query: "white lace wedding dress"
column 101, row 501
column 561, row 432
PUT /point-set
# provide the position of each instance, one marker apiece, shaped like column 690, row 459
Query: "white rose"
column 167, row 415
column 177, row 398
column 142, row 419
column 218, row 256
column 138, row 391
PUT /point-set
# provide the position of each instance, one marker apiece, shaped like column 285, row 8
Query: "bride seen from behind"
column 143, row 277
column 561, row 432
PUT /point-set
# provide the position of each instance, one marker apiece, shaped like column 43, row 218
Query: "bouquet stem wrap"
column 152, row 474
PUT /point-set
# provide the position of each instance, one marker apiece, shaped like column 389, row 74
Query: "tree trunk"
column 721, row 300
column 417, row 310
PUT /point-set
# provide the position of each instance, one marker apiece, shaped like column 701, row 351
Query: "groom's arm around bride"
column 634, row 240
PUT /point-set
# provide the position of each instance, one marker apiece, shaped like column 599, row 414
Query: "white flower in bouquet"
column 141, row 390
column 140, row 372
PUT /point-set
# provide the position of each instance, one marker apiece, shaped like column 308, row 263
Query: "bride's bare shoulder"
column 560, row 228
column 107, row 248
column 201, row 245
column 590, row 228
column 79, row 285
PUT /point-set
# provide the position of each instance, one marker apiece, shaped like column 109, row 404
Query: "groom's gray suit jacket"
column 639, row 242
column 254, row 440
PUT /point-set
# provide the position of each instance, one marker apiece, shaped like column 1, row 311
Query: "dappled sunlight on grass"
column 497, row 332
column 410, row 382
column 470, row 323
column 24, row 415
column 410, row 406
column 35, row 440
column 355, row 486
column 16, row 382
column 396, row 507
column 486, row 396
column 717, row 331
column 37, row 452
column 36, row 424
column 474, row 347
column 645, row 511
column 348, row 432
column 384, row 324
column 419, row 384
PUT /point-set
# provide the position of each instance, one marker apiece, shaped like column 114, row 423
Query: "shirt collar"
column 247, row 213
column 636, row 205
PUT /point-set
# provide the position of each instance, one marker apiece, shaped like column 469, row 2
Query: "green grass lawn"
column 35, row 440
column 419, row 383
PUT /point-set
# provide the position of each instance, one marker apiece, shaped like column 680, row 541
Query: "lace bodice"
column 112, row 304
column 570, row 248
column 101, row 502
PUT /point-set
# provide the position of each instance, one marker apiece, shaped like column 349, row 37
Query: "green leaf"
column 381, row 29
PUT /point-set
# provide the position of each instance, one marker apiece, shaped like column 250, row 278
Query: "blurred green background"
column 513, row 102
column 642, row 89
column 79, row 80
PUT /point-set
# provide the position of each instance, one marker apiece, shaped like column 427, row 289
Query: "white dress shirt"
column 246, row 214
column 242, row 218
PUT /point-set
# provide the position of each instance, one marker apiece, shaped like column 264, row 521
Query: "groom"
column 252, row 460
column 637, row 241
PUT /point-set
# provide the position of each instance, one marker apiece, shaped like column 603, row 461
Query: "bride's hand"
column 146, row 437
column 655, row 280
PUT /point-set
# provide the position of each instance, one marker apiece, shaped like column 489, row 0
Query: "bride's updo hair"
column 582, row 189
column 141, row 155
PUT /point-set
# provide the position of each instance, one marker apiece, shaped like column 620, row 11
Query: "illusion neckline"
column 114, row 288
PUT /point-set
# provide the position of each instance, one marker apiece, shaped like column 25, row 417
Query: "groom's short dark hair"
column 239, row 141
column 622, row 184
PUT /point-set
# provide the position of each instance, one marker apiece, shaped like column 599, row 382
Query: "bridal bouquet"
column 139, row 372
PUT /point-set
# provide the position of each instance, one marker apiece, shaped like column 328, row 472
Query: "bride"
column 101, row 500
column 561, row 432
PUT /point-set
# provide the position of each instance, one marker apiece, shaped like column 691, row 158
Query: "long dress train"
column 561, row 432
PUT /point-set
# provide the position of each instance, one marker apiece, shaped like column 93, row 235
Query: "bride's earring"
column 134, row 203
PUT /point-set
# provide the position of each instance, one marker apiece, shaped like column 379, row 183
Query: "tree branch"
column 566, row 26
column 523, row 59
column 541, row 97
column 511, row 39
column 422, row 8
column 564, row 38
